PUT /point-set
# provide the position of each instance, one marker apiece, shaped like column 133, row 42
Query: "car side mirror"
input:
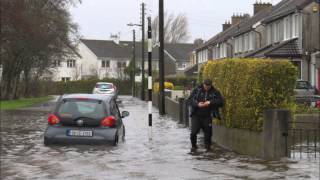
column 124, row 114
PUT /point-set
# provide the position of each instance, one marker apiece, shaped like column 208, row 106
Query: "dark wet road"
column 23, row 155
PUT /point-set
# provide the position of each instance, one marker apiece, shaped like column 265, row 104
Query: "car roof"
column 104, row 83
column 101, row 97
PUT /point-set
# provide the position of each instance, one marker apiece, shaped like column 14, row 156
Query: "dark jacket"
column 200, row 95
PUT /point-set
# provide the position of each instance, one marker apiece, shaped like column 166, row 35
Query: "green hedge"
column 86, row 86
column 250, row 86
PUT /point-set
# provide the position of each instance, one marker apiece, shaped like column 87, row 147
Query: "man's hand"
column 207, row 103
column 203, row 104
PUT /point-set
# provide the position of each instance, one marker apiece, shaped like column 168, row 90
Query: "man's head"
column 207, row 84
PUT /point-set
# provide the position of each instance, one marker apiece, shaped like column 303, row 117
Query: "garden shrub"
column 250, row 86
column 167, row 85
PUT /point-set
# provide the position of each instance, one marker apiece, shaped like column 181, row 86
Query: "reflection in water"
column 167, row 156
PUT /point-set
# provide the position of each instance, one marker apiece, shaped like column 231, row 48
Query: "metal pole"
column 150, row 76
column 142, row 61
column 161, row 61
column 134, row 64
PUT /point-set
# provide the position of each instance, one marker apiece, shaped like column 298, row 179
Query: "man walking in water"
column 205, row 101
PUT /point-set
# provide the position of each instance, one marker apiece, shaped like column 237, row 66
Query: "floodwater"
column 166, row 156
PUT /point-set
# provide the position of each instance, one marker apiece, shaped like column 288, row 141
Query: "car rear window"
column 104, row 86
column 72, row 108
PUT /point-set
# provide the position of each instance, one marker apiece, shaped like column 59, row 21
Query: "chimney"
column 258, row 6
column 226, row 25
column 235, row 19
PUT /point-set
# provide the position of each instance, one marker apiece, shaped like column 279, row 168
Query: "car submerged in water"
column 85, row 119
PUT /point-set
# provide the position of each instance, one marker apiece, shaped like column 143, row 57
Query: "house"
column 176, row 56
column 292, row 32
column 288, row 30
column 65, row 69
column 109, row 59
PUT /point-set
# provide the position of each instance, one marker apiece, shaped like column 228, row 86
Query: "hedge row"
column 86, row 86
column 250, row 86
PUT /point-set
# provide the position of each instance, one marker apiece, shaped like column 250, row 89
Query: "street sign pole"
column 150, row 77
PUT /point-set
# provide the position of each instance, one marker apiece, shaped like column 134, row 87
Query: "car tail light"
column 53, row 119
column 108, row 121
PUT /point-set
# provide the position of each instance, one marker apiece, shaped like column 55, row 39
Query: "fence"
column 303, row 138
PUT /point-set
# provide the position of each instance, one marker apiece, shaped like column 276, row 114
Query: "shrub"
column 181, row 80
column 250, row 86
column 167, row 85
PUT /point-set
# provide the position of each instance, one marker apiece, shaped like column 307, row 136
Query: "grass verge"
column 22, row 103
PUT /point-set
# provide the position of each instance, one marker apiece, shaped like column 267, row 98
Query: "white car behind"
column 105, row 88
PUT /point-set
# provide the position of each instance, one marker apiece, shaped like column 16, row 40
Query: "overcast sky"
column 98, row 19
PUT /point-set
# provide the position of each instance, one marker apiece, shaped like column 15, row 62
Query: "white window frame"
column 106, row 64
column 287, row 28
column 252, row 41
column 275, row 32
column 65, row 79
column 269, row 34
column 295, row 25
column 71, row 63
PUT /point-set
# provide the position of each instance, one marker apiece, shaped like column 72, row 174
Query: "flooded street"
column 23, row 155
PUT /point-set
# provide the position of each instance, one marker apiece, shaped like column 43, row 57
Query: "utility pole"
column 142, row 55
column 150, row 76
column 161, row 61
column 134, row 64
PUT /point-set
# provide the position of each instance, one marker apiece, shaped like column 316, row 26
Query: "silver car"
column 304, row 88
column 85, row 119
column 104, row 88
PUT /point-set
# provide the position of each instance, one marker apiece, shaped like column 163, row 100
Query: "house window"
column 295, row 25
column 298, row 64
column 65, row 79
column 105, row 63
column 71, row 63
column 121, row 64
column 241, row 43
column 275, row 32
column 251, row 41
column 287, row 28
column 269, row 34
column 57, row 63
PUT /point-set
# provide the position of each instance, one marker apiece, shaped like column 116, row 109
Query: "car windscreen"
column 104, row 86
column 302, row 85
column 74, row 108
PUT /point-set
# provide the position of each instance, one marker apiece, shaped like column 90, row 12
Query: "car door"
column 116, row 113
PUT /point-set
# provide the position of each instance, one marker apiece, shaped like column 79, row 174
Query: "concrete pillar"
column 181, row 115
column 186, row 112
column 275, row 130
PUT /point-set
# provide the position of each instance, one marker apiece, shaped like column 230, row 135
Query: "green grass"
column 22, row 103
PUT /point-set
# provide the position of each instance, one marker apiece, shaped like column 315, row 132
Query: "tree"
column 34, row 33
column 175, row 28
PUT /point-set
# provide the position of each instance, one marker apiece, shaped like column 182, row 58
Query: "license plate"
column 79, row 133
